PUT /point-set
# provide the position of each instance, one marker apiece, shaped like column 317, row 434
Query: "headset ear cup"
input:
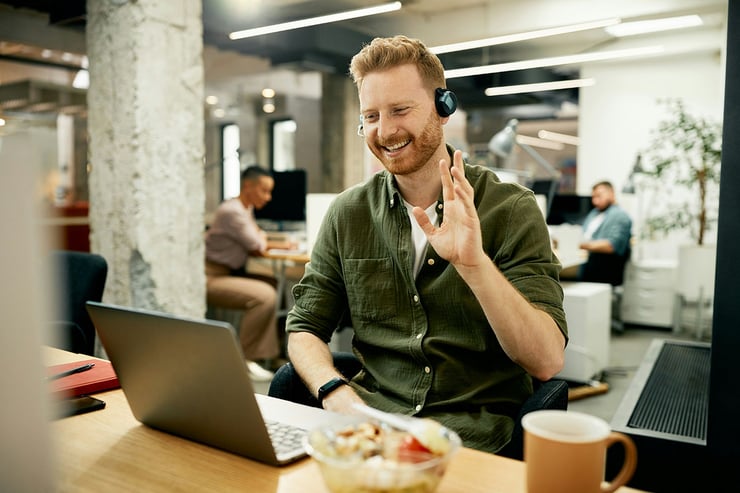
column 445, row 101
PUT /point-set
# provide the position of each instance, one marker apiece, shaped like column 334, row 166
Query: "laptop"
column 188, row 377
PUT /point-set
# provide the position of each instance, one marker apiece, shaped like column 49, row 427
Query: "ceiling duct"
column 31, row 96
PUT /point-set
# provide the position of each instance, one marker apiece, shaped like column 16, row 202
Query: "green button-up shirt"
column 426, row 346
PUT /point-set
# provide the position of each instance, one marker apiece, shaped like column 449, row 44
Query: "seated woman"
column 231, row 238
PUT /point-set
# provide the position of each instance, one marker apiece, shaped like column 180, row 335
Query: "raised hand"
column 458, row 238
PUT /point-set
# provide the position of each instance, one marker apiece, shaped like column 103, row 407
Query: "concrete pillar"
column 146, row 151
column 342, row 149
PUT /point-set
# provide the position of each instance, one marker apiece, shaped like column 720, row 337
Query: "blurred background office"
column 132, row 165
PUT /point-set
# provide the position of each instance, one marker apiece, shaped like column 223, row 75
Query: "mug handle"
column 629, row 465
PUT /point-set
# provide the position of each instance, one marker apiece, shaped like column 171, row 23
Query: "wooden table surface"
column 109, row 450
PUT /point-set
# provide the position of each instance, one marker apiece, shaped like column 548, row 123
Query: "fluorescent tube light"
column 82, row 79
column 558, row 137
column 654, row 25
column 513, row 38
column 552, row 61
column 539, row 86
column 314, row 21
column 535, row 142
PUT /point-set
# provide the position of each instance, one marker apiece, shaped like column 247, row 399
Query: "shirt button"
column 418, row 407
column 430, row 261
column 439, row 206
column 427, row 369
column 416, row 298
column 418, row 336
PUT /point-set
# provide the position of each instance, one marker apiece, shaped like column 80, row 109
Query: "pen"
column 79, row 369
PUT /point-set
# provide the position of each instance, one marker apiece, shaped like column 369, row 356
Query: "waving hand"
column 458, row 238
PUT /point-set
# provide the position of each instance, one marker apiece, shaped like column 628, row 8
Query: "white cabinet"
column 649, row 293
column 587, row 308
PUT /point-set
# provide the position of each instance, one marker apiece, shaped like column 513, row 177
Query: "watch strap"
column 330, row 387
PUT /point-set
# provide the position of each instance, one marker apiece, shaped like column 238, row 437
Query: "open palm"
column 458, row 238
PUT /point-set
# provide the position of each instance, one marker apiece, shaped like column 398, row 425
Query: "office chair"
column 79, row 277
column 552, row 394
column 608, row 268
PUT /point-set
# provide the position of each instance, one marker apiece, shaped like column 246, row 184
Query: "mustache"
column 391, row 143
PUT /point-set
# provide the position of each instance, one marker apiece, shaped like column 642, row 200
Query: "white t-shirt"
column 592, row 226
column 418, row 237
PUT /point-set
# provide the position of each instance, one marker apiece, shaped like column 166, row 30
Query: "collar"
column 394, row 195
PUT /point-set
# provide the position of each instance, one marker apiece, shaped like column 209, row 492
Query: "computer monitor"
column 288, row 202
column 569, row 209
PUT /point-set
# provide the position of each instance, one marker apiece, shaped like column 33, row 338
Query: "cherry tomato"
column 411, row 450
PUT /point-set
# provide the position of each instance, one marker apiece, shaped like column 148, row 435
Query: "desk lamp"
column 502, row 143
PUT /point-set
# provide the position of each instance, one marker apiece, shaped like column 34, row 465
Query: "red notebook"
column 99, row 378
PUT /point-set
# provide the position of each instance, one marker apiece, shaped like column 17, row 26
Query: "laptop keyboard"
column 285, row 438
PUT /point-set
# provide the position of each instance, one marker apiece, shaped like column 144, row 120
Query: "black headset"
column 445, row 101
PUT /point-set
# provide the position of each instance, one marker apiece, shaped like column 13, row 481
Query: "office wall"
column 618, row 113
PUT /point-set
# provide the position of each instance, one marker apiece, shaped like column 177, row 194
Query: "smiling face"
column 401, row 125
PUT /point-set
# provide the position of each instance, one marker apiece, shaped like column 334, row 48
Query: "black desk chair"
column 79, row 277
column 608, row 268
column 552, row 394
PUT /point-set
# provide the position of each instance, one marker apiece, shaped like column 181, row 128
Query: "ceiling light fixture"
column 558, row 137
column 553, row 61
column 502, row 144
column 513, row 38
column 654, row 25
column 82, row 79
column 314, row 21
column 536, row 142
column 539, row 86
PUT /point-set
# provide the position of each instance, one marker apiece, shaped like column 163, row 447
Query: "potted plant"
column 685, row 151
column 681, row 169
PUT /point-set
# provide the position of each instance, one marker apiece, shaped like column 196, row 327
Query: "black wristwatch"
column 330, row 387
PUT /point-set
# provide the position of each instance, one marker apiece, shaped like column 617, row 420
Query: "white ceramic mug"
column 565, row 452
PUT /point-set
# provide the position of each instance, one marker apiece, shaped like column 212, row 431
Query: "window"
column 230, row 168
column 283, row 145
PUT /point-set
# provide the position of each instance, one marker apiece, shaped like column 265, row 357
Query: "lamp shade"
column 502, row 142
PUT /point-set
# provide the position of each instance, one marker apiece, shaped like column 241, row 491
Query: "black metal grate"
column 676, row 395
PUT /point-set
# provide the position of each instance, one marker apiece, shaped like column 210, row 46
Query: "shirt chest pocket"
column 371, row 288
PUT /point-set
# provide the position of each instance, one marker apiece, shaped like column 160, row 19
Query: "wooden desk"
column 110, row 451
column 572, row 259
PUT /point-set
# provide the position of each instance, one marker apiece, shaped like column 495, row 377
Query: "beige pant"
column 258, row 330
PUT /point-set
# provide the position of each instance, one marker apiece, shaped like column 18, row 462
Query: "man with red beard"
column 445, row 273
